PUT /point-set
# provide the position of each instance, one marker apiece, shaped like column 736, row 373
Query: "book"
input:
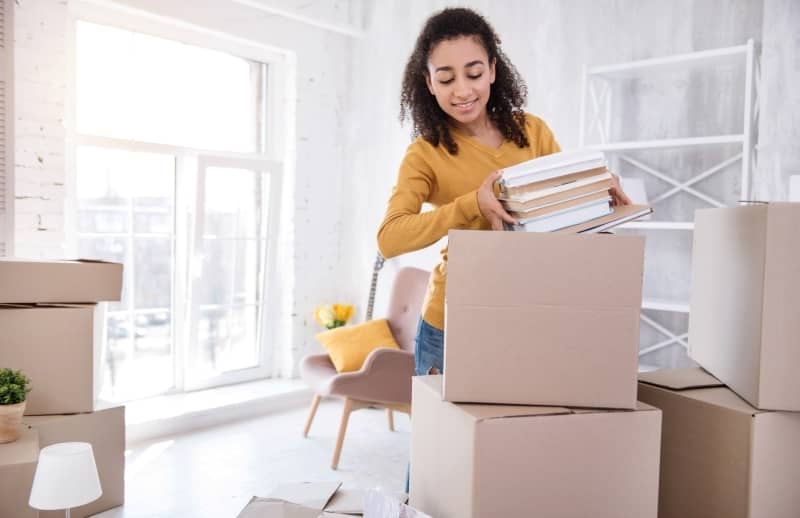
column 565, row 218
column 621, row 214
column 574, row 201
column 556, row 189
column 550, row 166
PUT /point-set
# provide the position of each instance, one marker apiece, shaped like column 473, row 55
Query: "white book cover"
column 567, row 217
column 541, row 193
column 551, row 166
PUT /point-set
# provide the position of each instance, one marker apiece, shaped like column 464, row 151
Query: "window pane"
column 135, row 86
column 227, row 340
column 138, row 356
column 153, row 273
column 153, row 207
column 233, row 202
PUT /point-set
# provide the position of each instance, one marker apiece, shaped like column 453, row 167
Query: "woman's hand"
column 618, row 196
column 489, row 205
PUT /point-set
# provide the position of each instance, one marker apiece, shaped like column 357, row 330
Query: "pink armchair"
column 385, row 378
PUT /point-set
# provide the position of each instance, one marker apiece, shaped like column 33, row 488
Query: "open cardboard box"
column 719, row 455
column 744, row 326
column 542, row 319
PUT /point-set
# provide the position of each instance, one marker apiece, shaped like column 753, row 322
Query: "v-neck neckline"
column 494, row 152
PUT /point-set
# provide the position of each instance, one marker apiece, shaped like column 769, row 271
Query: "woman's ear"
column 492, row 71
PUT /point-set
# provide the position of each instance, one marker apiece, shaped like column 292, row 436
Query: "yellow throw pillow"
column 349, row 346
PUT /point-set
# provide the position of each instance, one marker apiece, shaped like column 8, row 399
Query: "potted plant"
column 14, row 388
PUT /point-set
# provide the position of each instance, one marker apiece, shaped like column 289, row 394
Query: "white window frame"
column 278, row 95
column 268, row 280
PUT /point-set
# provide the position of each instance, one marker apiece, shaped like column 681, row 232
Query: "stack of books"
column 567, row 191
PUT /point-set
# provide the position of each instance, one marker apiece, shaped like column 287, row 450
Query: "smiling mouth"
column 463, row 107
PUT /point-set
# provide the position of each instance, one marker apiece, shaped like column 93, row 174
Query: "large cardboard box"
column 720, row 457
column 474, row 461
column 744, row 326
column 53, row 345
column 25, row 281
column 105, row 431
column 17, row 467
column 542, row 319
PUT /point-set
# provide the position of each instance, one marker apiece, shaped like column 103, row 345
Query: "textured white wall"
column 549, row 42
column 779, row 124
column 40, row 84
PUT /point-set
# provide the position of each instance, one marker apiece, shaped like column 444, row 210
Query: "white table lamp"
column 66, row 477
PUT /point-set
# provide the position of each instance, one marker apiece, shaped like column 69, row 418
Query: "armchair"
column 385, row 378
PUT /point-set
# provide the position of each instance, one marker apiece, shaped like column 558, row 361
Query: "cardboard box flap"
column 276, row 508
column 697, row 384
column 310, row 494
column 481, row 412
column 347, row 501
column 680, row 379
column 25, row 260
column 640, row 407
column 23, row 450
column 587, row 270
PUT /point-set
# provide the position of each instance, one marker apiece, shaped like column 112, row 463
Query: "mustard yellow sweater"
column 449, row 183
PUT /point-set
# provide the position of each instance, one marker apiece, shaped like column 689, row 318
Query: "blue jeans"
column 428, row 349
column 428, row 354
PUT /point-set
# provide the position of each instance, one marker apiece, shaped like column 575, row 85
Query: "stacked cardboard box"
column 537, row 319
column 735, row 451
column 50, row 317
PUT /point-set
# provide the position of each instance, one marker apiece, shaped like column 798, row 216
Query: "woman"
column 464, row 98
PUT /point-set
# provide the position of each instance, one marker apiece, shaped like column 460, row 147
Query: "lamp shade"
column 66, row 477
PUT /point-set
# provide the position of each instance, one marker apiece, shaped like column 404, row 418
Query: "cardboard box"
column 744, row 326
column 17, row 467
column 53, row 345
column 719, row 455
column 25, row 281
column 311, row 500
column 471, row 461
column 105, row 431
column 542, row 319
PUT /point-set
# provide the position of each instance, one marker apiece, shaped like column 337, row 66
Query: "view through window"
column 193, row 239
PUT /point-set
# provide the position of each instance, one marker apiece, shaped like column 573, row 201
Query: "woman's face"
column 460, row 77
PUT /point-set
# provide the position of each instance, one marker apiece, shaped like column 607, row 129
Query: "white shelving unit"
column 597, row 107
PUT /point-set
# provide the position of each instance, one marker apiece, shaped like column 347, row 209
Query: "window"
column 173, row 180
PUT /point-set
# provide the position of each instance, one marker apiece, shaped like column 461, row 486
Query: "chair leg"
column 311, row 413
column 348, row 407
column 390, row 415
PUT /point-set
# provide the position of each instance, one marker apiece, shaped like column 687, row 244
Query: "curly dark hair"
column 508, row 93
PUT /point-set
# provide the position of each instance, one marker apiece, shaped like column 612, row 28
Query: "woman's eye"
column 475, row 76
column 446, row 82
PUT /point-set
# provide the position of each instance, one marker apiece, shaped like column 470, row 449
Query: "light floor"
column 214, row 472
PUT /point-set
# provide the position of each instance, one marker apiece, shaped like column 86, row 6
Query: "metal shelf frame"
column 596, row 108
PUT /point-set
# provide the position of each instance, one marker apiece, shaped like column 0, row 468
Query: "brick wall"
column 41, row 92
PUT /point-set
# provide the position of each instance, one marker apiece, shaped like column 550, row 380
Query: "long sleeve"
column 404, row 228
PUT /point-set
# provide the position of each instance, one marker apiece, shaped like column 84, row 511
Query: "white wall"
column 41, row 89
column 549, row 42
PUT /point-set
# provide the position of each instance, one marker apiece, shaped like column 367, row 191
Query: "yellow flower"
column 343, row 312
column 335, row 315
